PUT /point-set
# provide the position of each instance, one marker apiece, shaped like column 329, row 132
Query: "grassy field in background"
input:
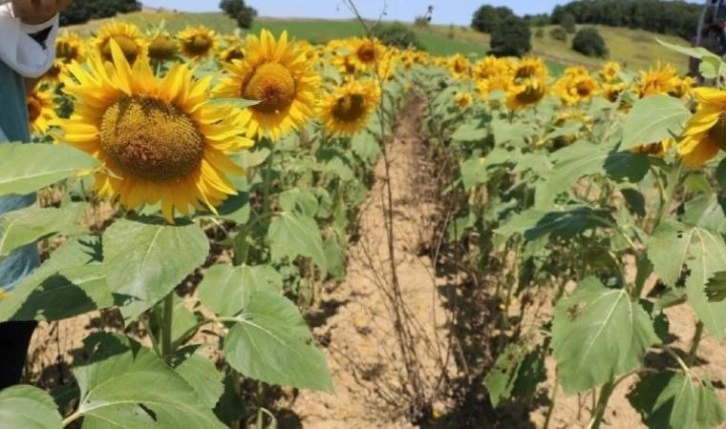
column 636, row 49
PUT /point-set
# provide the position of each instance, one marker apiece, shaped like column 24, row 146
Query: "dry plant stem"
column 553, row 402
column 402, row 329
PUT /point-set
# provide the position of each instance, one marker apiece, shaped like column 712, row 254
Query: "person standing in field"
column 28, row 29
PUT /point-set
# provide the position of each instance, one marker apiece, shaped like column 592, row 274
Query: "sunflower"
column 345, row 65
column 280, row 77
column 233, row 52
column 462, row 100
column 158, row 140
column 530, row 67
column 127, row 36
column 662, row 79
column 659, row 149
column 526, row 93
column 576, row 88
column 612, row 91
column 197, row 42
column 705, row 132
column 162, row 47
column 69, row 47
column 487, row 67
column 347, row 110
column 55, row 71
column 365, row 53
column 609, row 72
column 459, row 66
column 41, row 111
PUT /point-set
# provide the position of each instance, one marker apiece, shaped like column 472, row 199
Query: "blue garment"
column 14, row 124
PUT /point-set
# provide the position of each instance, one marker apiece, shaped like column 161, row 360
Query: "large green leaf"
column 653, row 119
column 202, row 375
column 516, row 373
column 293, row 234
column 366, row 147
column 28, row 167
column 716, row 287
column 676, row 245
column 226, row 289
column 27, row 407
column 707, row 257
column 146, row 261
column 534, row 224
column 667, row 249
column 71, row 282
column 21, row 227
column 469, row 131
column 675, row 401
column 598, row 334
column 127, row 386
column 272, row 343
column 473, row 172
column 585, row 159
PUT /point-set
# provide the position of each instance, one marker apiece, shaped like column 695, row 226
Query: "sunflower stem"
column 674, row 179
column 168, row 315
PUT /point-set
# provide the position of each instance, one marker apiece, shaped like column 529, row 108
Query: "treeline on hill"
column 83, row 11
column 675, row 17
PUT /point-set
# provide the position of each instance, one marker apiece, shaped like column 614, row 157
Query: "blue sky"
column 445, row 11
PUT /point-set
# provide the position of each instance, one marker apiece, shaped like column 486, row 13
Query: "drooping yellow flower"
column 347, row 110
column 231, row 53
column 41, row 110
column 158, row 140
column 55, row 71
column 69, row 47
column 662, row 79
column 659, row 149
column 489, row 66
column 163, row 47
column 197, row 42
column 280, row 77
column 462, row 100
column 531, row 67
column 612, row 91
column 459, row 67
column 705, row 132
column 609, row 72
column 345, row 65
column 127, row 36
column 526, row 93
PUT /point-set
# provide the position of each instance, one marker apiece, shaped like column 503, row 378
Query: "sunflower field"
column 204, row 187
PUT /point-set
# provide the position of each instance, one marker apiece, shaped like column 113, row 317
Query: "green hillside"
column 636, row 49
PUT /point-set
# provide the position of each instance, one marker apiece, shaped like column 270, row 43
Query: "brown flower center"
column 128, row 46
column 350, row 108
column 273, row 86
column 151, row 139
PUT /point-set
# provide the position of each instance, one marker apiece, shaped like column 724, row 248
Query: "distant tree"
column 80, row 12
column 487, row 17
column 568, row 23
column 239, row 11
column 667, row 17
column 558, row 33
column 511, row 37
column 398, row 35
column 588, row 41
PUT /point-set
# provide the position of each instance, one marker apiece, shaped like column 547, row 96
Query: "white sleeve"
column 20, row 51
